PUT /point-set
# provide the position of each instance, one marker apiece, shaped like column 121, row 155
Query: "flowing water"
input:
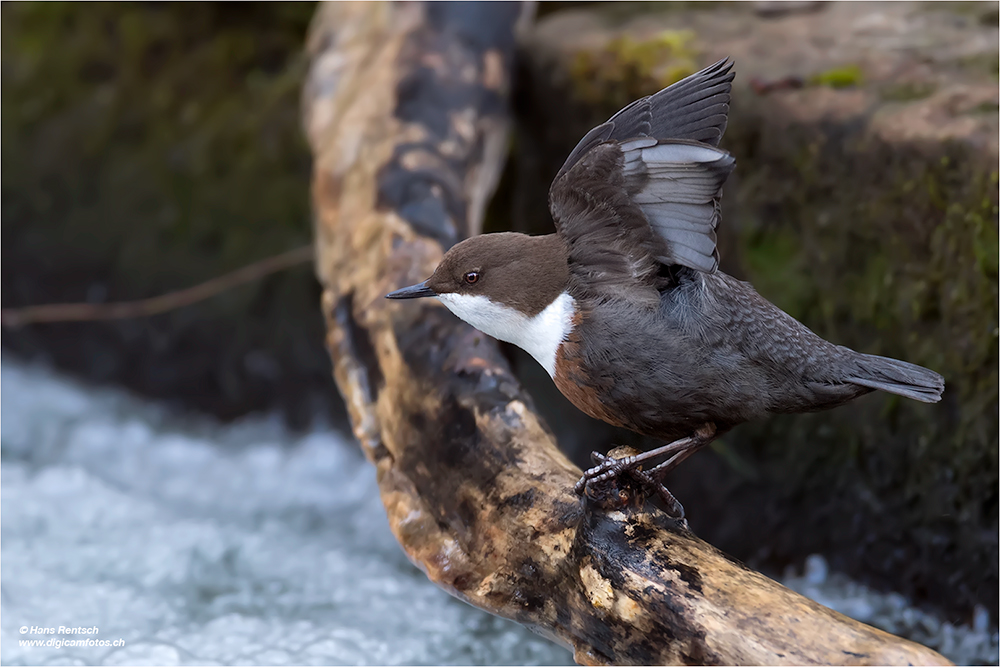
column 181, row 540
column 195, row 542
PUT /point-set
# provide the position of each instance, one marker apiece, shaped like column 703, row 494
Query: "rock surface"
column 865, row 204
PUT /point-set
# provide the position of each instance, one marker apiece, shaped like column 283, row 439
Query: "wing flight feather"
column 695, row 108
column 643, row 189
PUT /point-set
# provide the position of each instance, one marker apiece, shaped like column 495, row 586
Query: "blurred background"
column 150, row 147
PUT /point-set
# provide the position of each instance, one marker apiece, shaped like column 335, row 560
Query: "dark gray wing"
column 627, row 204
column 610, row 243
column 625, row 209
column 695, row 108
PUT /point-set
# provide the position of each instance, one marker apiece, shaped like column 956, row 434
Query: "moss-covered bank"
column 892, row 250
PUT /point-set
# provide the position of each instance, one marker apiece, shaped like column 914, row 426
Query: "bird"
column 625, row 306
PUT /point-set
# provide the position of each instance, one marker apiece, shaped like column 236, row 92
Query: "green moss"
column 631, row 9
column 838, row 77
column 891, row 250
column 893, row 278
column 986, row 108
column 166, row 136
column 907, row 91
column 626, row 69
column 982, row 62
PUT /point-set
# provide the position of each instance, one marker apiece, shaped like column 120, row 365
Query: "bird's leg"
column 702, row 437
column 611, row 467
column 632, row 487
column 674, row 507
column 646, row 481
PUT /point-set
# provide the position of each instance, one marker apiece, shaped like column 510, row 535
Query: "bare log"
column 405, row 112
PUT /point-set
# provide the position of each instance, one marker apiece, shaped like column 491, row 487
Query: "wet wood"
column 405, row 110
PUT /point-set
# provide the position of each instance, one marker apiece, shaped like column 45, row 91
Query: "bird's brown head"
column 522, row 272
column 510, row 286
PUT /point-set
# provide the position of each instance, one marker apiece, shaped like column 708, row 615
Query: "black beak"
column 412, row 292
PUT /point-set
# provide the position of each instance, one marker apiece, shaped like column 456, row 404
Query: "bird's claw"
column 604, row 463
column 608, row 468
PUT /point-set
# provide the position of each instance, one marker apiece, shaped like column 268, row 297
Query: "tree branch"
column 120, row 310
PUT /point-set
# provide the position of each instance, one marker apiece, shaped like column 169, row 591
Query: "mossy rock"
column 865, row 204
column 146, row 148
column 889, row 249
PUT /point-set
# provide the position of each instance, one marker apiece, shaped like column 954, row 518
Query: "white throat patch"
column 539, row 336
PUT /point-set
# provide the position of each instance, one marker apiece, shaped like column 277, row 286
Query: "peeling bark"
column 405, row 109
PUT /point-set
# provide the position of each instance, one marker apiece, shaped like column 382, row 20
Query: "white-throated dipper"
column 625, row 307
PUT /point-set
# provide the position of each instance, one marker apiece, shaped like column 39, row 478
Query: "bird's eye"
column 472, row 277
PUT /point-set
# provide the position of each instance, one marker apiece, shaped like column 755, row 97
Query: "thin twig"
column 88, row 312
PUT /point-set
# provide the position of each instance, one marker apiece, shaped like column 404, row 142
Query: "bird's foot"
column 618, row 480
column 608, row 467
column 605, row 480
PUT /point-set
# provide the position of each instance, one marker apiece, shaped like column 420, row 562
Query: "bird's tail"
column 898, row 377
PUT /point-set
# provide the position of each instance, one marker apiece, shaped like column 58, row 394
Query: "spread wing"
column 695, row 108
column 643, row 189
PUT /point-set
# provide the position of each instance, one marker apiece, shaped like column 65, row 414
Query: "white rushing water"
column 200, row 543
column 195, row 542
